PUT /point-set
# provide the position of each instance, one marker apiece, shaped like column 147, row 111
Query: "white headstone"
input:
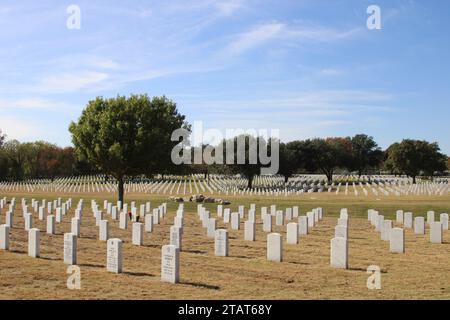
column 104, row 230
column 149, row 222
column 51, row 224
column 176, row 237
column 114, row 213
column 170, row 264
column 397, row 240
column 289, row 214
column 28, row 221
column 408, row 220
column 430, row 217
column 33, row 242
column 295, row 212
column 419, row 225
column 341, row 231
column 241, row 211
column 138, row 234
column 444, row 220
column 4, row 237
column 220, row 210
column 211, row 228
column 123, row 221
column 386, row 230
column 343, row 222
column 303, row 225
column 251, row 215
column 58, row 215
column 235, row 221
column 344, row 213
column 9, row 219
column 274, row 247
column 279, row 218
column 226, row 215
column 156, row 216
column 273, row 209
column 41, row 214
column 75, row 227
column 339, row 253
column 114, row 255
column 249, row 230
column 221, row 243
column 98, row 218
column 436, row 232
column 310, row 216
column 70, row 249
column 399, row 216
column 267, row 222
column 292, row 233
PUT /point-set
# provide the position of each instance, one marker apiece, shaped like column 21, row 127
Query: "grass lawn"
column 423, row 272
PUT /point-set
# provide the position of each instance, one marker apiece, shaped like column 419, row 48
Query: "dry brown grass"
column 423, row 272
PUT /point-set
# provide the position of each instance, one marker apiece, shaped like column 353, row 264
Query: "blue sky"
column 309, row 68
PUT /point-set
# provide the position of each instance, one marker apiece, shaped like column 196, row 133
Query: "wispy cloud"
column 285, row 34
column 21, row 129
column 36, row 103
column 253, row 38
column 227, row 8
column 70, row 82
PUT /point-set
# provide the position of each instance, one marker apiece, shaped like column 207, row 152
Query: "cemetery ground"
column 422, row 272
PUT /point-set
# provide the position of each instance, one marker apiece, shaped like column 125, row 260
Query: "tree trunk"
column 329, row 177
column 250, row 182
column 414, row 179
column 206, row 175
column 286, row 178
column 120, row 190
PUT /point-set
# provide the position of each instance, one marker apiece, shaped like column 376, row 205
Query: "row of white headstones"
column 170, row 253
column 395, row 236
column 264, row 185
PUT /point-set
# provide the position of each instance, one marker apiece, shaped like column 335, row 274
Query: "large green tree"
column 288, row 160
column 365, row 153
column 330, row 154
column 242, row 155
column 415, row 157
column 127, row 136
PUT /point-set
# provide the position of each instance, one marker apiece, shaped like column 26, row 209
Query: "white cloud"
column 330, row 72
column 253, row 38
column 36, row 103
column 21, row 129
column 227, row 8
column 287, row 33
column 319, row 33
column 71, row 82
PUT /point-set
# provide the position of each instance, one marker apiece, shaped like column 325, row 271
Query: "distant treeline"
column 40, row 159
column 359, row 154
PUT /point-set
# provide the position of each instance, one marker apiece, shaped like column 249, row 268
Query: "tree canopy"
column 127, row 136
column 413, row 157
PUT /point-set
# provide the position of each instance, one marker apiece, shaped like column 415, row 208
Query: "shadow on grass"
column 201, row 285
column 91, row 265
column 363, row 270
column 50, row 258
column 138, row 274
column 88, row 237
column 299, row 263
column 195, row 251
column 151, row 246
column 241, row 257
column 18, row 251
